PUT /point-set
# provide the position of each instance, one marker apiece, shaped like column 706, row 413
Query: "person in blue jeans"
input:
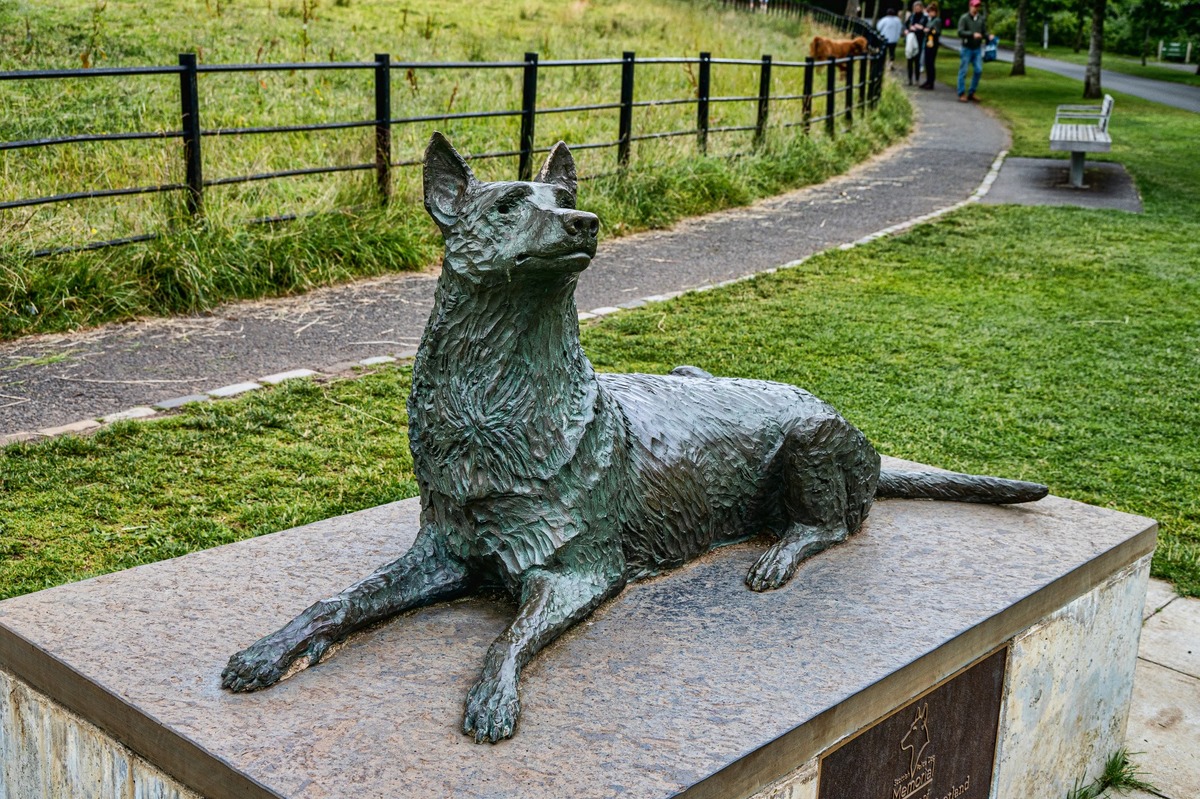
column 972, row 30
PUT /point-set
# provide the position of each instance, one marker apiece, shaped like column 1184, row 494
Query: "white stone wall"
column 46, row 752
column 1068, row 687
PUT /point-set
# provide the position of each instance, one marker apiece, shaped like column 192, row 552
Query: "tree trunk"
column 1018, row 67
column 1091, row 79
column 1079, row 9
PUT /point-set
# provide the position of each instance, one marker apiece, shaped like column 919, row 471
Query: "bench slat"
column 1080, row 138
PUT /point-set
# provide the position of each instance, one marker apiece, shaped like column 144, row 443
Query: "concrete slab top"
column 1163, row 726
column 1159, row 594
column 1172, row 637
column 678, row 679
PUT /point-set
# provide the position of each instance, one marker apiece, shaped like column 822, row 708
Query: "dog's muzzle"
column 581, row 223
column 573, row 251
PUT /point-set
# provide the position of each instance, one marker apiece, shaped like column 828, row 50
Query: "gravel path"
column 48, row 381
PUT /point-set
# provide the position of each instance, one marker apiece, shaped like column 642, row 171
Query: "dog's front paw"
column 773, row 569
column 253, row 668
column 266, row 662
column 492, row 709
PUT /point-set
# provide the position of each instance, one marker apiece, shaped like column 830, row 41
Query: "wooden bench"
column 1080, row 138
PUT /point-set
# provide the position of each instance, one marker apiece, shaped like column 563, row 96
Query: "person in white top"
column 890, row 28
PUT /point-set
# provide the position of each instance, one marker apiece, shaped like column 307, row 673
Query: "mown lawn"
column 1058, row 345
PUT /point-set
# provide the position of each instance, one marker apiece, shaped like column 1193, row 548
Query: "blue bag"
column 989, row 49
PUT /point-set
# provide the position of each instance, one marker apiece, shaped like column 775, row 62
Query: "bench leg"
column 1077, row 170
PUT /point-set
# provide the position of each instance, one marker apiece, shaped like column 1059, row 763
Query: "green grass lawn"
column 64, row 33
column 1128, row 65
column 1057, row 345
column 193, row 267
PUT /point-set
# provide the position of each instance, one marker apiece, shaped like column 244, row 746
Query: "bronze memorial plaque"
column 941, row 746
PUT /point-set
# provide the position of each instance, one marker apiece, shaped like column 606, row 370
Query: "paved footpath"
column 50, row 381
column 1164, row 722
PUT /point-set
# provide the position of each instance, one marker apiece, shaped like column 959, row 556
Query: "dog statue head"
column 510, row 230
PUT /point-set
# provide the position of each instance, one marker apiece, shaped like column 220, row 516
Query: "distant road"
column 1179, row 95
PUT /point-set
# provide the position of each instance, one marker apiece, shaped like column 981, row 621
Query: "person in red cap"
column 972, row 29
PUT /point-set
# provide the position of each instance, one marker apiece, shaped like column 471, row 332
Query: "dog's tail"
column 955, row 487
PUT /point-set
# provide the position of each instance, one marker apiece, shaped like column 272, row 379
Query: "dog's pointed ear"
column 559, row 169
column 447, row 179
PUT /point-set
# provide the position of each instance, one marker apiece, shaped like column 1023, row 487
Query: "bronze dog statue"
column 559, row 485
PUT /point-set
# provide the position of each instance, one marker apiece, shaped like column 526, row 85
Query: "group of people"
column 924, row 25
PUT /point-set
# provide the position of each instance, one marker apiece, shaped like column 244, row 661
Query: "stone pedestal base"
column 1068, row 684
column 686, row 685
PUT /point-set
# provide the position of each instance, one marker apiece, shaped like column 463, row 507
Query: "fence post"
column 850, row 93
column 764, row 101
column 876, row 73
column 862, row 82
column 528, row 115
column 879, row 78
column 806, row 102
column 830, row 96
column 189, row 100
column 383, row 125
column 625, row 120
column 702, row 103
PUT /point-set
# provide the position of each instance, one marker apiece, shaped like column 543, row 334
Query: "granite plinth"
column 687, row 684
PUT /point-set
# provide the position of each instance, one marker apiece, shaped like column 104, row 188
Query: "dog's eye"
column 506, row 207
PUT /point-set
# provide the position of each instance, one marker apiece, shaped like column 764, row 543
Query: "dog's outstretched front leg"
column 425, row 574
column 551, row 602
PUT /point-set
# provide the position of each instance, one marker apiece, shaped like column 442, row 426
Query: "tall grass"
column 66, row 33
column 199, row 265
column 196, row 265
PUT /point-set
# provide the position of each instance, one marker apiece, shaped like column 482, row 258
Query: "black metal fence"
column 851, row 86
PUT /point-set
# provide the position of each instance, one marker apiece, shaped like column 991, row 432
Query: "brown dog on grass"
column 823, row 49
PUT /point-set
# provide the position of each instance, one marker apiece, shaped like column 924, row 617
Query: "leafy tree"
column 1187, row 22
column 1151, row 16
column 1081, row 11
column 1091, row 78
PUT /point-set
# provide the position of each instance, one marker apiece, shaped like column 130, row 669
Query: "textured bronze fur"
column 559, row 485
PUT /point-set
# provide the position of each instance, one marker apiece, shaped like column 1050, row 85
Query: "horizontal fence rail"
column 860, row 77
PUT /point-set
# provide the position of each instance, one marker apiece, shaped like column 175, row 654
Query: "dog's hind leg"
column 427, row 573
column 691, row 371
column 829, row 473
column 799, row 542
column 552, row 601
